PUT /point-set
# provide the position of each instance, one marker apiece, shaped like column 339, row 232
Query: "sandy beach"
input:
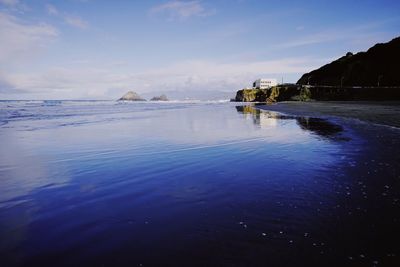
column 385, row 113
column 198, row 184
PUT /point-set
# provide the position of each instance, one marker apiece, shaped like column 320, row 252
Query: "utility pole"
column 379, row 79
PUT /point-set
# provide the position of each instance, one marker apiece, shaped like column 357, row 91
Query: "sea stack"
column 159, row 98
column 131, row 96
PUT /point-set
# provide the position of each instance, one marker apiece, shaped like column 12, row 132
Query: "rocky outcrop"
column 376, row 67
column 320, row 93
column 273, row 94
column 131, row 96
column 160, row 98
column 283, row 93
column 252, row 95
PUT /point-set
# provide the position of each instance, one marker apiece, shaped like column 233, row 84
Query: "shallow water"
column 210, row 184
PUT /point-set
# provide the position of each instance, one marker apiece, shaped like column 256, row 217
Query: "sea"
column 194, row 183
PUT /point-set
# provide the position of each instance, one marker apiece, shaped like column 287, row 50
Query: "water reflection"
column 265, row 119
column 206, row 185
column 319, row 126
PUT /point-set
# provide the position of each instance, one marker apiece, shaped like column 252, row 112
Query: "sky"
column 93, row 49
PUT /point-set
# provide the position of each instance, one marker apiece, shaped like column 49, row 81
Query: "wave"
column 51, row 102
column 76, row 111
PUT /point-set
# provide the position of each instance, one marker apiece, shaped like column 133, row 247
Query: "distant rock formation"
column 379, row 66
column 131, row 96
column 159, row 98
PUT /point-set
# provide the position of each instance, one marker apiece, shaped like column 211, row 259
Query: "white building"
column 264, row 83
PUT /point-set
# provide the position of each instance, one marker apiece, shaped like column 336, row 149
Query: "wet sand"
column 385, row 113
column 179, row 184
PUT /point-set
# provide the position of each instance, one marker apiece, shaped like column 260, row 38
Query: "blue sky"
column 91, row 49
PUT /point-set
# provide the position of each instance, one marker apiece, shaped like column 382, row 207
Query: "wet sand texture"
column 385, row 113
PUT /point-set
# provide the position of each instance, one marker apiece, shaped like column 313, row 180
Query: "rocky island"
column 131, row 96
column 160, row 98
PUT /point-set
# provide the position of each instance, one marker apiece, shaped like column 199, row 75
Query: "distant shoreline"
column 384, row 113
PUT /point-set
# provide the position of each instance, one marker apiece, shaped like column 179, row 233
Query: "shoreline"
column 382, row 113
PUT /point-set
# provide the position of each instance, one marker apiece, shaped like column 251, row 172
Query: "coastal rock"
column 160, row 98
column 284, row 93
column 376, row 67
column 273, row 94
column 131, row 96
column 252, row 95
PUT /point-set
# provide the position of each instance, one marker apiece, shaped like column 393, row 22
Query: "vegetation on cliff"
column 252, row 95
column 321, row 93
column 376, row 67
column 273, row 94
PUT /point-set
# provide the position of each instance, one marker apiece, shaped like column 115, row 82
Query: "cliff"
column 131, row 96
column 252, row 95
column 273, row 94
column 320, row 93
column 376, row 67
column 372, row 75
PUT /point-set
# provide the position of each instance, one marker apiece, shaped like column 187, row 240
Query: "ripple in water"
column 194, row 184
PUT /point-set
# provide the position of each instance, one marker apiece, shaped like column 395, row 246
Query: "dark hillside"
column 379, row 66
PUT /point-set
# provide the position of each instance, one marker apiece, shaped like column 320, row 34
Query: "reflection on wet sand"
column 266, row 119
column 237, row 186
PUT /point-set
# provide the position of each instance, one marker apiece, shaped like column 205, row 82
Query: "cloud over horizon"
column 20, row 39
column 89, row 49
column 71, row 20
column 181, row 10
column 182, row 76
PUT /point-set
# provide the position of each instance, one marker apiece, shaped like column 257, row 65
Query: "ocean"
column 105, row 183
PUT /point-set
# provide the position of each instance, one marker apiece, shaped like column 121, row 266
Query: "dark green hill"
column 379, row 66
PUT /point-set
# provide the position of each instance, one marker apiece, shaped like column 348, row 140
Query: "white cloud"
column 20, row 39
column 14, row 5
column 71, row 20
column 76, row 22
column 312, row 39
column 9, row 2
column 52, row 10
column 182, row 10
column 363, row 31
column 86, row 82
